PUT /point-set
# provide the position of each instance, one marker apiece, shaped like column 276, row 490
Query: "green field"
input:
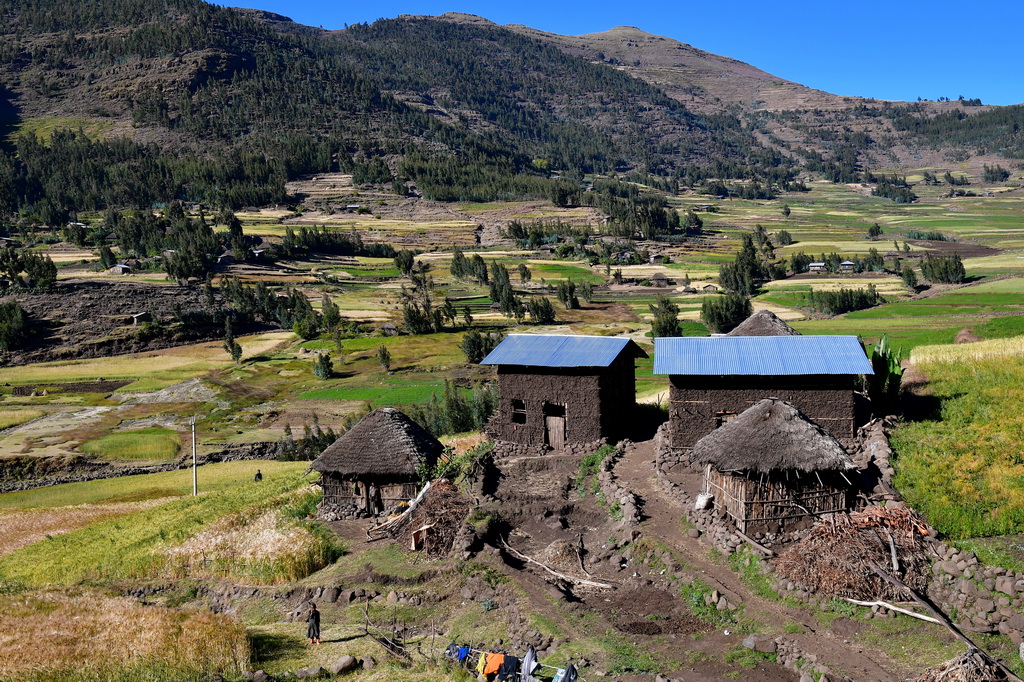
column 124, row 547
column 144, row 444
column 213, row 478
column 961, row 467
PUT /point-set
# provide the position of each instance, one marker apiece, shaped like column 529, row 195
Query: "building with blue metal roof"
column 559, row 389
column 713, row 379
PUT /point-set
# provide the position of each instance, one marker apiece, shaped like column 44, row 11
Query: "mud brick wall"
column 696, row 402
column 599, row 401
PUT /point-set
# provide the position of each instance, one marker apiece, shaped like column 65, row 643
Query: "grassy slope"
column 963, row 469
column 139, row 445
column 124, row 547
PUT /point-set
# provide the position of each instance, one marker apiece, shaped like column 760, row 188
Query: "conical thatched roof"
column 771, row 435
column 763, row 323
column 383, row 443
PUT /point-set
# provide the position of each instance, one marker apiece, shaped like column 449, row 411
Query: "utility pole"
column 195, row 477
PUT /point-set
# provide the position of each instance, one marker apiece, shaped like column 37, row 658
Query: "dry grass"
column 22, row 528
column 180, row 363
column 982, row 350
column 259, row 545
column 9, row 418
column 83, row 629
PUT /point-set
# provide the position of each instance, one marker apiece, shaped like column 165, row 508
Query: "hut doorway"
column 554, row 426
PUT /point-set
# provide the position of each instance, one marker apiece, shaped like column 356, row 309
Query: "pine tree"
column 230, row 345
column 322, row 366
column 666, row 318
column 384, row 357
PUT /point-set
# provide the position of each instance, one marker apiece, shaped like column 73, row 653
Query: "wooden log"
column 557, row 574
column 942, row 617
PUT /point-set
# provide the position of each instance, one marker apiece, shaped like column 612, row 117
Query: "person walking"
column 313, row 624
column 258, row 477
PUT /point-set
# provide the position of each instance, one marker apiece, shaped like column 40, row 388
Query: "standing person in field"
column 258, row 477
column 313, row 624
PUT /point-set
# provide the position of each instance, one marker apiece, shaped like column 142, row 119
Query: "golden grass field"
column 171, row 364
column 62, row 631
column 21, row 528
column 969, row 352
column 14, row 417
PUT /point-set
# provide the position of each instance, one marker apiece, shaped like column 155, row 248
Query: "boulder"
column 331, row 594
column 760, row 642
column 343, row 665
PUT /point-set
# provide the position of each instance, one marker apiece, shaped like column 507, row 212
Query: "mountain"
column 704, row 81
column 180, row 99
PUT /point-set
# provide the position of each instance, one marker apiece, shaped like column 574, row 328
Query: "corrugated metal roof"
column 760, row 355
column 549, row 350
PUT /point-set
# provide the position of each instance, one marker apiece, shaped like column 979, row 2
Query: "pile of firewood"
column 436, row 521
column 970, row 666
column 836, row 558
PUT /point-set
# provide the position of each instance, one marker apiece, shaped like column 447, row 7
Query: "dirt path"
column 662, row 522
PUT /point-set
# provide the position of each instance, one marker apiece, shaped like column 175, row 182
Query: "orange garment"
column 494, row 662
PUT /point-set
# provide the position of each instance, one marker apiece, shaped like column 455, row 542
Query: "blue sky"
column 901, row 49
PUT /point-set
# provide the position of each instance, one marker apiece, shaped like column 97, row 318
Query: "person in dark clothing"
column 313, row 624
column 258, row 477
column 376, row 505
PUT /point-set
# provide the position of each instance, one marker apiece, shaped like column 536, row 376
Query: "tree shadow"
column 268, row 646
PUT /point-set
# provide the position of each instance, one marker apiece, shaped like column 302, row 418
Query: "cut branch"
column 557, row 574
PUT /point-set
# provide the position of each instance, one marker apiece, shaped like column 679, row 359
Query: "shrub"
column 666, row 318
column 476, row 346
column 14, row 326
column 322, row 366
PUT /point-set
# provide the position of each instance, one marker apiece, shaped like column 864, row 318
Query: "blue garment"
column 463, row 652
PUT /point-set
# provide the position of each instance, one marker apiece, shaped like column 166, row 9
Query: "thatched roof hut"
column 770, row 436
column 770, row 468
column 763, row 323
column 374, row 465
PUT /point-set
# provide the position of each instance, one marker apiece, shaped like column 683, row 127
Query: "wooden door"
column 554, row 430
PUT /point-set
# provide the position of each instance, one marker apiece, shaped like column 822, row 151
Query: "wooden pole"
column 195, row 475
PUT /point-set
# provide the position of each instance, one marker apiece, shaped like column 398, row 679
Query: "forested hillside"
column 180, row 99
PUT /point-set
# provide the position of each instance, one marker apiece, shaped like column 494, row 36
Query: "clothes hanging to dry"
column 482, row 663
column 494, row 662
column 529, row 664
column 509, row 668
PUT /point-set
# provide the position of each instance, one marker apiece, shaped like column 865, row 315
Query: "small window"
column 518, row 411
column 724, row 418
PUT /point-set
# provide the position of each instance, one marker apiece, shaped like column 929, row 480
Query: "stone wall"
column 697, row 402
column 504, row 449
column 613, row 491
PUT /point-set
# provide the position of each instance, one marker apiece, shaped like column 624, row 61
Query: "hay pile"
column 970, row 666
column 444, row 509
column 562, row 556
column 834, row 559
